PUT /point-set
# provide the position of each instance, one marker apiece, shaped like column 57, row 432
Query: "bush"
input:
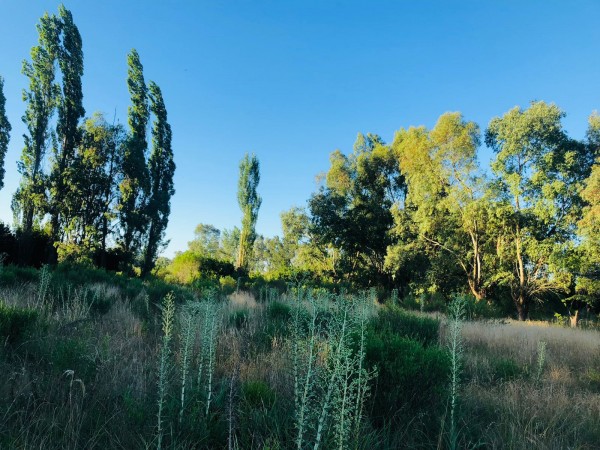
column 392, row 319
column 15, row 323
column 13, row 275
column 412, row 379
column 258, row 394
column 506, row 369
column 239, row 318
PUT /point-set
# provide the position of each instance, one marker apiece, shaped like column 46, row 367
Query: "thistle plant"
column 541, row 359
column 456, row 314
column 44, row 284
column 187, row 334
column 332, row 391
column 209, row 315
column 168, row 317
column 303, row 353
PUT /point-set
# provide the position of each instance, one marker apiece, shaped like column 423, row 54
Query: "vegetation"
column 372, row 322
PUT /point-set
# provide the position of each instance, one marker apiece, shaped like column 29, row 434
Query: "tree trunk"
column 574, row 319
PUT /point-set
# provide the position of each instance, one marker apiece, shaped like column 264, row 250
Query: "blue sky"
column 294, row 80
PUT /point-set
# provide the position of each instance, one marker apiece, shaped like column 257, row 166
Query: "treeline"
column 422, row 217
column 105, row 197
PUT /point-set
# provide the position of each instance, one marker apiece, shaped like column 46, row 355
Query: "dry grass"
column 514, row 410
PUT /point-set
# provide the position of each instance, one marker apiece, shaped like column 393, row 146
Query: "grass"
column 87, row 366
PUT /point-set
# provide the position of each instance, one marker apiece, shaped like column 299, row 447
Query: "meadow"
column 92, row 360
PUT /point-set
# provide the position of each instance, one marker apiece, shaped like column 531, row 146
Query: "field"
column 107, row 363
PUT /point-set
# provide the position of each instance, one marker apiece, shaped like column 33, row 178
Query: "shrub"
column 506, row 369
column 412, row 378
column 258, row 394
column 393, row 319
column 15, row 323
column 239, row 318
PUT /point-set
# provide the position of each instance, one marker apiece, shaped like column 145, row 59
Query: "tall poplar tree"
column 4, row 131
column 135, row 184
column 161, row 169
column 70, row 111
column 41, row 98
column 249, row 202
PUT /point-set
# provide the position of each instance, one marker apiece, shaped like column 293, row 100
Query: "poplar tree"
column 161, row 169
column 70, row 111
column 41, row 98
column 4, row 131
column 135, row 183
column 249, row 202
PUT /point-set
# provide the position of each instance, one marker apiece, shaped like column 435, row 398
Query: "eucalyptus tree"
column 249, row 202
column 447, row 194
column 5, row 129
column 161, row 169
column 206, row 242
column 70, row 111
column 588, row 228
column 351, row 213
column 134, row 185
column 539, row 175
column 42, row 97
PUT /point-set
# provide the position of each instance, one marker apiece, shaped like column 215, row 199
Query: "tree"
column 447, row 193
column 135, row 184
column 587, row 291
column 70, row 111
column 352, row 212
column 5, row 129
column 42, row 98
column 90, row 198
column 206, row 241
column 249, row 202
column 161, row 169
column 539, row 173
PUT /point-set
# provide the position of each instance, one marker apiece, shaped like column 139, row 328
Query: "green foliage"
column 63, row 174
column 258, row 394
column 29, row 201
column 72, row 354
column 16, row 323
column 5, row 129
column 395, row 321
column 506, row 369
column 539, row 174
column 239, row 318
column 249, row 202
column 161, row 169
column 446, row 197
column 352, row 212
column 400, row 390
column 134, row 186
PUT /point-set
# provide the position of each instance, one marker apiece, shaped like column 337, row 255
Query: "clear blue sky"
column 294, row 80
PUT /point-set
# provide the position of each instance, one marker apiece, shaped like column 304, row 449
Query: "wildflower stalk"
column 187, row 334
column 456, row 313
column 168, row 314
